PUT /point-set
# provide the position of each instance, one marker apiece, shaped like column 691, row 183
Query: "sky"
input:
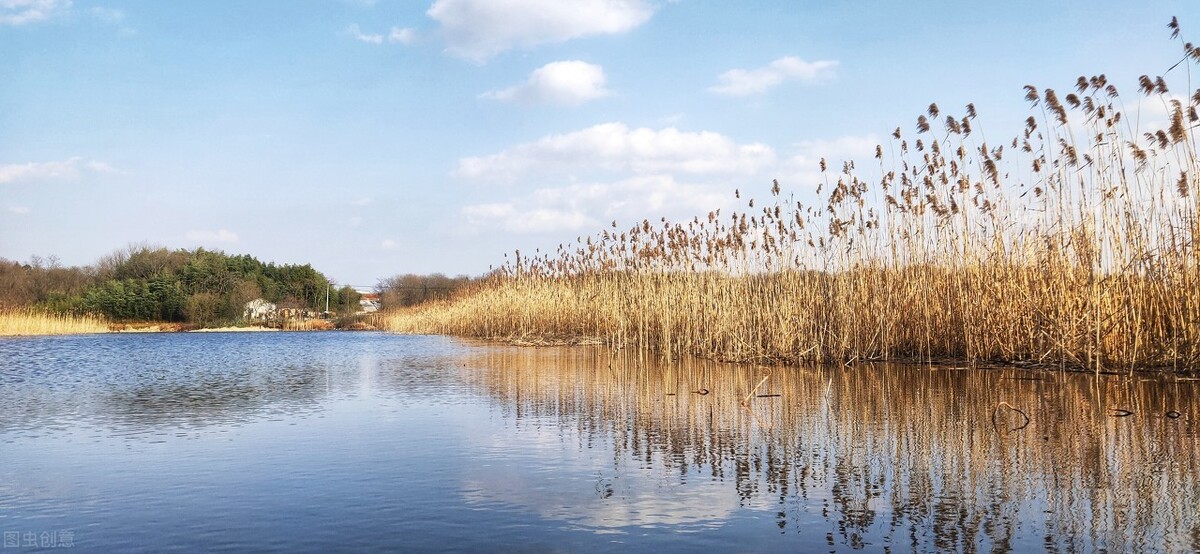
column 377, row 137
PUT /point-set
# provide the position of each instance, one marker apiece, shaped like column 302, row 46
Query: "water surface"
column 366, row 441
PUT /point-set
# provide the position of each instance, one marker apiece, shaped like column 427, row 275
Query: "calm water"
column 362, row 441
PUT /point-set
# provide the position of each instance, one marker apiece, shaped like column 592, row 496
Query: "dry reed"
column 24, row 322
column 308, row 325
column 1073, row 244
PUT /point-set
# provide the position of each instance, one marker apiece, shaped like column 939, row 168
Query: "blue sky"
column 376, row 137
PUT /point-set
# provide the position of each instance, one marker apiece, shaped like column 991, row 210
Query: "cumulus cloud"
column 566, row 83
column 526, row 219
column 480, row 29
column 388, row 244
column 802, row 168
column 657, row 187
column 220, row 235
column 22, row 12
column 615, row 147
column 402, row 35
column 588, row 207
column 71, row 168
column 357, row 34
column 746, row 82
column 19, row 210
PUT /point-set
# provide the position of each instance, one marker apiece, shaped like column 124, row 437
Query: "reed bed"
column 25, row 322
column 1072, row 244
column 308, row 325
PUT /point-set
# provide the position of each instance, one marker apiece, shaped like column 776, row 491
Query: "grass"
column 308, row 325
column 31, row 322
column 1073, row 244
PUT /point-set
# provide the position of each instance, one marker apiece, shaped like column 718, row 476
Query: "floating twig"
column 996, row 425
column 754, row 390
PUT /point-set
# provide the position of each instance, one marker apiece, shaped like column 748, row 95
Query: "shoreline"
column 233, row 330
column 534, row 341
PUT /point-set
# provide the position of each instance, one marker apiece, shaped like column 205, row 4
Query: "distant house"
column 259, row 310
column 369, row 302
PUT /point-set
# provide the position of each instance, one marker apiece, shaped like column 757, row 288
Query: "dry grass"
column 308, row 325
column 25, row 322
column 1072, row 244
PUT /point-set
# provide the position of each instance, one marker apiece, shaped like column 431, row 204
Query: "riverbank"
column 16, row 323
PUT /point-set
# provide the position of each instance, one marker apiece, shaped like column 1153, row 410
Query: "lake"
column 334, row 441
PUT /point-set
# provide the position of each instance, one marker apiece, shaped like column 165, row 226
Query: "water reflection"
column 426, row 443
column 903, row 457
column 157, row 383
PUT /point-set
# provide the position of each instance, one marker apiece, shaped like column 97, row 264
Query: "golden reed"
column 1074, row 244
column 31, row 322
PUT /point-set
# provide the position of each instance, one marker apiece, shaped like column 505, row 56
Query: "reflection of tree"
column 230, row 394
column 138, row 383
column 901, row 456
column 216, row 397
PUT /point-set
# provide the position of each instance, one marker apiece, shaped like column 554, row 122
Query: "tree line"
column 410, row 289
column 145, row 283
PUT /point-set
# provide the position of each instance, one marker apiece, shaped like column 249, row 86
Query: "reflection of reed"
column 905, row 457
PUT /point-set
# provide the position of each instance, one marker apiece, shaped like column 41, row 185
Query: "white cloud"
column 402, row 35
column 1148, row 113
column 566, row 83
column 655, row 188
column 388, row 244
column 745, row 82
column 803, row 168
column 364, row 201
column 360, row 36
column 354, row 221
column 21, row 12
column 480, row 29
column 220, row 235
column 70, row 168
column 99, row 167
column 615, row 147
column 526, row 219
column 588, row 207
column 19, row 210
